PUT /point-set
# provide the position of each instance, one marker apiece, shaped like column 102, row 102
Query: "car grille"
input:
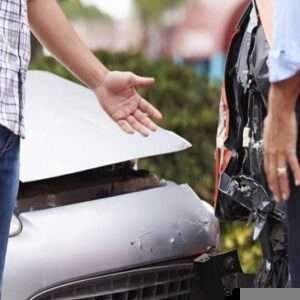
column 172, row 282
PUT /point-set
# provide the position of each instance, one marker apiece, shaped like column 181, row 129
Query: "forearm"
column 53, row 30
column 283, row 96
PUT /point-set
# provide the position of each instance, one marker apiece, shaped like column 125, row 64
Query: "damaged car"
column 90, row 225
column 242, row 190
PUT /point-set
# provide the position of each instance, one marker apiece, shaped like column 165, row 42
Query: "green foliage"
column 189, row 106
column 75, row 10
column 238, row 235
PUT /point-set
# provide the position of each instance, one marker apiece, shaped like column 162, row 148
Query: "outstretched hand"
column 119, row 98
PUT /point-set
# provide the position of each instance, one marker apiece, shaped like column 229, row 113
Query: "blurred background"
column 183, row 44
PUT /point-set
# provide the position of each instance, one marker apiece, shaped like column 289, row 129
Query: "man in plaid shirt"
column 115, row 91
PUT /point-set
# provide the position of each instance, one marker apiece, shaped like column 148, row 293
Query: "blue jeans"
column 9, row 184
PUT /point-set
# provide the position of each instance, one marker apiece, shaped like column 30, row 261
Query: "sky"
column 118, row 9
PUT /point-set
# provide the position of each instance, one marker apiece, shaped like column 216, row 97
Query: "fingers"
column 138, row 126
column 145, row 120
column 121, row 114
column 150, row 110
column 125, row 126
column 126, row 108
column 272, row 178
column 139, row 81
column 276, row 169
column 138, row 122
column 282, row 175
column 295, row 168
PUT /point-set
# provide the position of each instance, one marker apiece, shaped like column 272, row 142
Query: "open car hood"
column 68, row 132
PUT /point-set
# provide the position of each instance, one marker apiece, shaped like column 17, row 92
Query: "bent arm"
column 115, row 91
column 53, row 30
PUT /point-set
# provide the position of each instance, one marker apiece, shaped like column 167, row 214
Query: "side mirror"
column 15, row 226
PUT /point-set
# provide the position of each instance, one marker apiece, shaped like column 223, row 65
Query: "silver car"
column 89, row 225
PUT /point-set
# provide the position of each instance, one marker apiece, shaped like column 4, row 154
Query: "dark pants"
column 293, row 225
column 9, row 183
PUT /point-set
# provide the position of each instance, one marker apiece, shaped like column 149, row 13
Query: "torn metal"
column 242, row 189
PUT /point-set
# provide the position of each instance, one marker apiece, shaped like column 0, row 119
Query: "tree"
column 150, row 12
column 74, row 10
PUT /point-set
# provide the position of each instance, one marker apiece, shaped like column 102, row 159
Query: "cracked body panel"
column 243, row 193
column 106, row 236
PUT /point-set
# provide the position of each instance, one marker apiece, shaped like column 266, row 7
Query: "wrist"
column 280, row 117
column 288, row 90
column 283, row 98
column 98, row 78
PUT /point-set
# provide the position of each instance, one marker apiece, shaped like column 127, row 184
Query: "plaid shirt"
column 14, row 61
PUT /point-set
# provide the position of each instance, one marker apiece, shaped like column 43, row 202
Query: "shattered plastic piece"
column 246, row 137
column 243, row 192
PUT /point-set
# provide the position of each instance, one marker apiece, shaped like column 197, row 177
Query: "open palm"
column 119, row 98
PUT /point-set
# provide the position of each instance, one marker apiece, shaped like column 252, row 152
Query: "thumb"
column 139, row 81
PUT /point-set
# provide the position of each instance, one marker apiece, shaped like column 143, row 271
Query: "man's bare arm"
column 54, row 31
column 114, row 90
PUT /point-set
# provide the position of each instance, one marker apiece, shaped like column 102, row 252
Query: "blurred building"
column 197, row 33
column 200, row 33
column 115, row 36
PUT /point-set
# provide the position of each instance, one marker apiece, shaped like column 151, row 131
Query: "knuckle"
column 129, row 74
column 133, row 121
column 272, row 177
column 126, row 112
column 271, row 187
column 272, row 183
column 117, row 116
column 140, row 116
column 121, row 122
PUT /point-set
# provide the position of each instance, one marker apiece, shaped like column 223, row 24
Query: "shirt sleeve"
column 284, row 58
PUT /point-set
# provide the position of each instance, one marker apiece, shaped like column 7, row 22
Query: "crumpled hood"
column 106, row 236
column 68, row 132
